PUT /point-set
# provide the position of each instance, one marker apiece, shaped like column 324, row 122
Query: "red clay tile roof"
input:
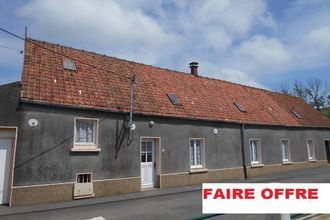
column 104, row 84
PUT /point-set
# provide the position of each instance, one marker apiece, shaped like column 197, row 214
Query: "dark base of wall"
column 38, row 194
column 29, row 195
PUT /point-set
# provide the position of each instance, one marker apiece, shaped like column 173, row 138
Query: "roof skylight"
column 296, row 114
column 239, row 106
column 174, row 98
column 69, row 64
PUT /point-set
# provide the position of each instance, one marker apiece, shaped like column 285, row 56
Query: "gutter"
column 243, row 151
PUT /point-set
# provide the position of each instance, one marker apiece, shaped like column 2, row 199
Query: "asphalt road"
column 185, row 205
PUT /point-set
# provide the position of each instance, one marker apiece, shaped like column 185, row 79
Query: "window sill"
column 198, row 170
column 257, row 165
column 85, row 149
column 287, row 163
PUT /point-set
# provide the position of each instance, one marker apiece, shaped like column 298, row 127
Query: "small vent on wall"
column 84, row 186
column 84, row 178
column 69, row 64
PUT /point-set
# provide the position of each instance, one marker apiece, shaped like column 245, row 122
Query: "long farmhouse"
column 81, row 124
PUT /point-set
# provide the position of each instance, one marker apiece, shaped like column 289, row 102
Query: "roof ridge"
column 158, row 67
column 113, row 57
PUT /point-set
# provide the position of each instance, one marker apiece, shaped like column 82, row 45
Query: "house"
column 66, row 131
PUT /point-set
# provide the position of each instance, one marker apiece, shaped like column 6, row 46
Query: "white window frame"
column 259, row 162
column 310, row 152
column 202, row 165
column 80, row 146
column 284, row 160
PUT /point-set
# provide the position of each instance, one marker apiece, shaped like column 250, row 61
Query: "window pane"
column 143, row 157
column 89, row 127
column 144, row 147
column 310, row 149
column 255, row 157
column 192, row 153
column 252, row 151
column 84, row 131
column 285, row 150
column 149, row 157
column 257, row 151
column 198, row 153
column 149, row 146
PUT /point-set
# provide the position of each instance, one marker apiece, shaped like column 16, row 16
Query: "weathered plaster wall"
column 9, row 104
column 270, row 142
column 44, row 152
column 44, row 156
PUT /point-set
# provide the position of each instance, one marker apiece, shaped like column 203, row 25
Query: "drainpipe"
column 131, row 126
column 243, row 151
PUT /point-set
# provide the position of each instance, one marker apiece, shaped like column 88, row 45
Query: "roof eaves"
column 166, row 116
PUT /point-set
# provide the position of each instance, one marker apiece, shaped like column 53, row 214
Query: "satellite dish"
column 215, row 131
column 33, row 122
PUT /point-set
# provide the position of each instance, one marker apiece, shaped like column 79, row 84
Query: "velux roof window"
column 69, row 64
column 174, row 98
column 239, row 106
column 296, row 114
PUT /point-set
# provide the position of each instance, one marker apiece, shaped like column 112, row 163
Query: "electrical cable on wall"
column 62, row 54
column 131, row 126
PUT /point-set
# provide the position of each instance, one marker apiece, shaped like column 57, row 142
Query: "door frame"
column 157, row 157
column 327, row 153
column 12, row 158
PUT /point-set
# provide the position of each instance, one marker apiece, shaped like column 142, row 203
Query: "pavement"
column 167, row 203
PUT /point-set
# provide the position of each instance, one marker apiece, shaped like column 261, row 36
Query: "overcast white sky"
column 258, row 43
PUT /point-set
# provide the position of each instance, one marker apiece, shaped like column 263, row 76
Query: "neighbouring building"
column 65, row 130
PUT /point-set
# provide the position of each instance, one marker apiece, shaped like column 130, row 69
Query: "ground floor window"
column 85, row 133
column 285, row 150
column 310, row 150
column 255, row 151
column 196, row 153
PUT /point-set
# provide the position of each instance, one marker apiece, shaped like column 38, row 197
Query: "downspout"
column 243, row 151
column 131, row 125
column 131, row 103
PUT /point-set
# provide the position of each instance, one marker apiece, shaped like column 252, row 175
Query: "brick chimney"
column 193, row 67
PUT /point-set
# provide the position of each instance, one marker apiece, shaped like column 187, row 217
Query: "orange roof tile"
column 102, row 82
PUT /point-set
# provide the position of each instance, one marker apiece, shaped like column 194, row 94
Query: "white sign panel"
column 266, row 198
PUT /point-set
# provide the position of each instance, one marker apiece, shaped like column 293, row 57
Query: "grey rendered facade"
column 45, row 167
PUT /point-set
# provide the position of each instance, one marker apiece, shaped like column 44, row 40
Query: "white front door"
column 147, row 163
column 5, row 155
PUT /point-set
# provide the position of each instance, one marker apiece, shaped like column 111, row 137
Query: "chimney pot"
column 194, row 68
